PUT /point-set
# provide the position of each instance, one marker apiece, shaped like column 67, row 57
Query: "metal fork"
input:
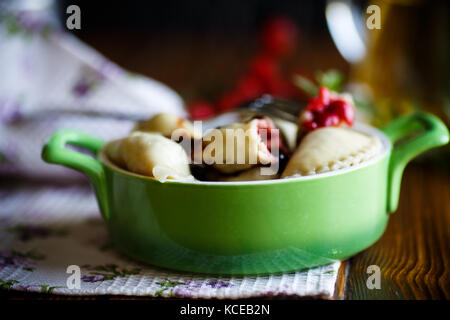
column 266, row 105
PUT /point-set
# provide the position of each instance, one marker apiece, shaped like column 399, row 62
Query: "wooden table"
column 414, row 252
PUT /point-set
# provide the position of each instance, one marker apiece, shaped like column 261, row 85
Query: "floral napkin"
column 44, row 230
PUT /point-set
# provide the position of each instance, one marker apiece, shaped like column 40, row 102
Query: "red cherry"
column 308, row 116
column 249, row 87
column 310, row 125
column 315, row 104
column 330, row 120
column 327, row 109
column 279, row 87
column 324, row 95
column 264, row 67
column 231, row 100
column 344, row 110
column 349, row 114
column 279, row 37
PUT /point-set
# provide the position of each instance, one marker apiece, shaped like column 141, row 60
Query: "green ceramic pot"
column 254, row 227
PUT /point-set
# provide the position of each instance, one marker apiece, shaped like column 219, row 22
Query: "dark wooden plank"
column 414, row 252
column 339, row 291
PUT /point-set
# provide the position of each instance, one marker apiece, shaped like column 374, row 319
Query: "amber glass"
column 407, row 61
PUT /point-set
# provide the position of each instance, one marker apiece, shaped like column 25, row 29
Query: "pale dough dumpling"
column 237, row 147
column 289, row 130
column 150, row 154
column 166, row 124
column 329, row 149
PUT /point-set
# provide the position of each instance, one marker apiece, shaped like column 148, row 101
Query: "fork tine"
column 265, row 105
column 278, row 113
column 288, row 106
column 278, row 106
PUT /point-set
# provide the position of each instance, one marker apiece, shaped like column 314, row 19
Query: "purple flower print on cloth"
column 44, row 288
column 219, row 284
column 188, row 288
column 30, row 22
column 9, row 110
column 27, row 233
column 88, row 80
column 21, row 287
column 25, row 260
column 91, row 78
column 82, row 87
column 93, row 278
column 26, row 23
column 108, row 69
column 107, row 271
column 14, row 284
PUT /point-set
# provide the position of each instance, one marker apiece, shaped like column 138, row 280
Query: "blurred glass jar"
column 405, row 63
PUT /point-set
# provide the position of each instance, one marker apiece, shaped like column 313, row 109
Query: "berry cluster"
column 327, row 109
column 263, row 75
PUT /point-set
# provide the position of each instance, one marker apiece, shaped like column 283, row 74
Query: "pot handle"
column 55, row 151
column 415, row 134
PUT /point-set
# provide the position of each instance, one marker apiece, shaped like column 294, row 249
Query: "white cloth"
column 51, row 80
column 44, row 230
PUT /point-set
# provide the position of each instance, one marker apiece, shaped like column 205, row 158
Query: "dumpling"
column 289, row 130
column 329, row 149
column 253, row 174
column 166, row 124
column 239, row 146
column 150, row 154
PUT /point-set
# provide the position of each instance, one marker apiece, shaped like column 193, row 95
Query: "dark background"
column 199, row 48
column 200, row 16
